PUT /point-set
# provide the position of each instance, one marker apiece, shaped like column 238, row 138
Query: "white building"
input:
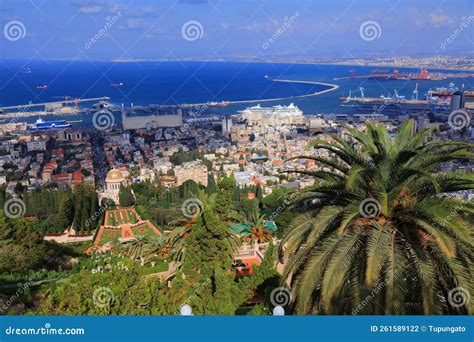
column 145, row 118
column 273, row 116
column 194, row 171
column 36, row 145
column 112, row 185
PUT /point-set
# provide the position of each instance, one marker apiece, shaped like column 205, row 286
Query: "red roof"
column 258, row 181
column 61, row 178
column 58, row 151
column 277, row 162
column 77, row 177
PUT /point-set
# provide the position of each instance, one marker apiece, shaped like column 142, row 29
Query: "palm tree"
column 137, row 248
column 176, row 239
column 255, row 229
column 144, row 247
column 377, row 234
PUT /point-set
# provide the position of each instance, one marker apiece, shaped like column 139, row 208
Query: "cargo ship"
column 41, row 125
column 443, row 92
column 423, row 74
column 397, row 104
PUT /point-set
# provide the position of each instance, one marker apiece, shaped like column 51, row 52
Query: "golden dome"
column 114, row 176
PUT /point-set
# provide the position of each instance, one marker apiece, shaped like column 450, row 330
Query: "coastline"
column 381, row 65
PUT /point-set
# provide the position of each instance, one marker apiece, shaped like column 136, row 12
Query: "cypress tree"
column 211, row 184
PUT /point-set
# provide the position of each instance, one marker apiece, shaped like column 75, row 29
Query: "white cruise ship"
column 276, row 115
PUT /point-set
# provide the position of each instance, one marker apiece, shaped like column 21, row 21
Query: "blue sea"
column 175, row 82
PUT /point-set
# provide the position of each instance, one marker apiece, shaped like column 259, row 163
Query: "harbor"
column 62, row 108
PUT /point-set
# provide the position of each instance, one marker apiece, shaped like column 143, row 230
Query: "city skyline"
column 303, row 29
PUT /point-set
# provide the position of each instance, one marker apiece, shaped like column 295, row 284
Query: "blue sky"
column 133, row 29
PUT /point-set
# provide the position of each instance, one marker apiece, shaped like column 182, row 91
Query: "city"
column 237, row 184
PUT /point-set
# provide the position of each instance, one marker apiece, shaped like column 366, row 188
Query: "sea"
column 178, row 82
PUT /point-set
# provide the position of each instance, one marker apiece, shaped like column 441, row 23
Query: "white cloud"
column 440, row 19
column 435, row 19
column 91, row 9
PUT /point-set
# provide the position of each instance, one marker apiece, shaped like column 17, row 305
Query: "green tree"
column 123, row 292
column 85, row 206
column 65, row 212
column 125, row 196
column 21, row 246
column 379, row 220
column 211, row 184
column 209, row 251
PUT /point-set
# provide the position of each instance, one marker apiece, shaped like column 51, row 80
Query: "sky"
column 180, row 29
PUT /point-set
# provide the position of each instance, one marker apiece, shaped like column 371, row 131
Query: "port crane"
column 415, row 93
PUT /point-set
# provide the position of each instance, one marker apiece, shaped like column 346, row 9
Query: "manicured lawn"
column 109, row 235
column 121, row 216
column 143, row 230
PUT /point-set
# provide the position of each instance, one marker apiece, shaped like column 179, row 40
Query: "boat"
column 42, row 125
column 219, row 104
column 443, row 92
column 26, row 70
column 116, row 85
column 396, row 104
column 43, row 86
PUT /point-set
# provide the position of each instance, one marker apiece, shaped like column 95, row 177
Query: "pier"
column 57, row 103
column 24, row 111
column 228, row 103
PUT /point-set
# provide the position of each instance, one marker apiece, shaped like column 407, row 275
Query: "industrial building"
column 151, row 117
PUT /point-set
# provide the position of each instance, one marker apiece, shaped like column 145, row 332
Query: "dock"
column 332, row 87
column 57, row 103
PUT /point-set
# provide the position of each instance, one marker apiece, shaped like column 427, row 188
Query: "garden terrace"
column 122, row 225
column 119, row 217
